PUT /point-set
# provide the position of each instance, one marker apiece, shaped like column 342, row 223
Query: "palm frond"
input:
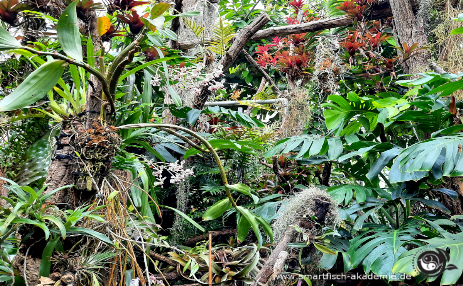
column 198, row 30
column 222, row 35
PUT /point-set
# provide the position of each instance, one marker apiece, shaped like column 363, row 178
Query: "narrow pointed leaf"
column 34, row 87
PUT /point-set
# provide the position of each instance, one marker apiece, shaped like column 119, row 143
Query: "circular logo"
column 432, row 263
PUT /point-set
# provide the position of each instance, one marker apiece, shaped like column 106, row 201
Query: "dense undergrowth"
column 119, row 165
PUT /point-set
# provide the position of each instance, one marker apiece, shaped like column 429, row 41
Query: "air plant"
column 9, row 10
column 229, row 265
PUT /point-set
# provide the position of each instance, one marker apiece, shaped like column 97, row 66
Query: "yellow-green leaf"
column 159, row 9
column 324, row 249
column 217, row 209
column 103, row 25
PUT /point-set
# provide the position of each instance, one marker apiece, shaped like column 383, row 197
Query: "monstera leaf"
column 442, row 155
column 344, row 193
column 378, row 247
column 339, row 245
column 304, row 145
column 341, row 111
column 450, row 261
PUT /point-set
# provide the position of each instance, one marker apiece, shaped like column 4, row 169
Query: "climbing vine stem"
column 209, row 147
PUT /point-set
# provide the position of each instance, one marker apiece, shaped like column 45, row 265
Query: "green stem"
column 388, row 217
column 385, row 180
column 120, row 57
column 200, row 138
column 8, row 233
column 408, row 208
column 397, row 216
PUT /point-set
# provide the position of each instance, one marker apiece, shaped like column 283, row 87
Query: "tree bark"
column 409, row 29
column 378, row 12
column 233, row 52
column 63, row 163
column 266, row 272
column 3, row 190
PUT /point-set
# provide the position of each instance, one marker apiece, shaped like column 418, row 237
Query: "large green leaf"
column 311, row 145
column 449, row 241
column 34, row 87
column 7, row 41
column 342, row 111
column 45, row 265
column 68, row 32
column 442, row 155
column 344, row 193
column 251, row 218
column 379, row 247
column 217, row 209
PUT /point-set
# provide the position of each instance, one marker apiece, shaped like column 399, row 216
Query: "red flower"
column 9, row 10
column 291, row 21
column 376, row 40
column 277, row 40
column 129, row 4
column 297, row 39
column 133, row 20
column 297, row 5
column 262, row 61
column 264, row 49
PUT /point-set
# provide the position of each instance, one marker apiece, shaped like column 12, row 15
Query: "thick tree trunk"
column 409, row 29
column 64, row 163
column 207, row 18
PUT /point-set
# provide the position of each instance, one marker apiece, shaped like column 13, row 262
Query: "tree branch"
column 262, row 71
column 232, row 54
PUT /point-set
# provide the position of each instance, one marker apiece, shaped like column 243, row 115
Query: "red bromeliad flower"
column 351, row 44
column 353, row 9
column 9, row 10
column 264, row 49
column 297, row 5
column 297, row 39
column 111, row 33
column 262, row 61
column 375, row 41
column 277, row 40
column 133, row 20
column 291, row 21
column 129, row 4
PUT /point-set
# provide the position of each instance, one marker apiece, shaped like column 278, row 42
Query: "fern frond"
column 198, row 30
column 222, row 35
